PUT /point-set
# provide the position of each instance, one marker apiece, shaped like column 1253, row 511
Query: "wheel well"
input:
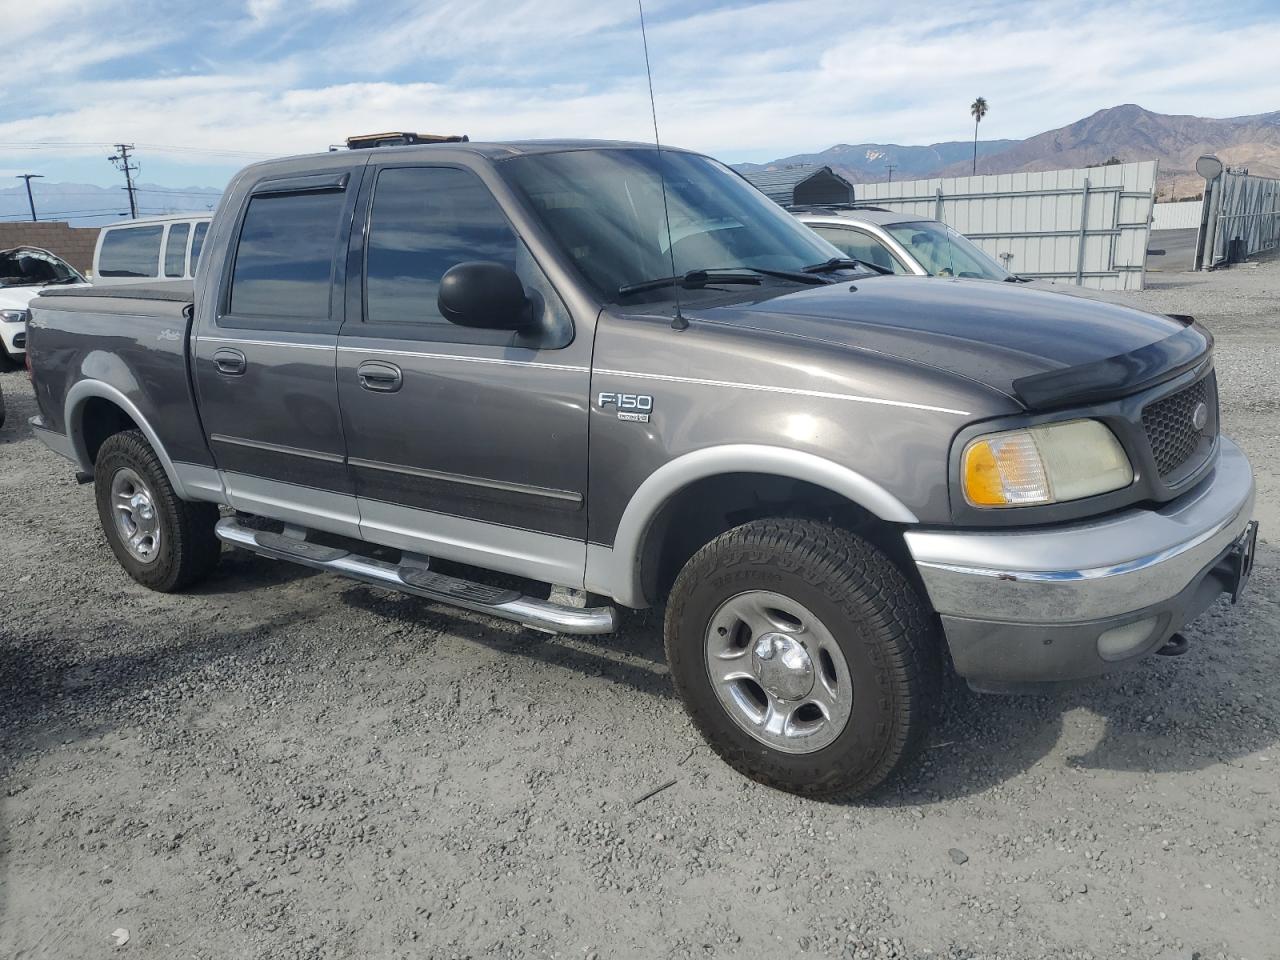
column 703, row 510
column 99, row 419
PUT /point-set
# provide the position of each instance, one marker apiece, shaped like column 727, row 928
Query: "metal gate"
column 1241, row 217
column 1087, row 226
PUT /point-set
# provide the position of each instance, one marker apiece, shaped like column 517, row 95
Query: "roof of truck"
column 493, row 151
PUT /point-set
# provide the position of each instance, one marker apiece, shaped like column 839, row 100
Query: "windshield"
column 604, row 209
column 27, row 267
column 944, row 253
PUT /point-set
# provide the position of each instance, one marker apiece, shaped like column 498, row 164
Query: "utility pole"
column 121, row 159
column 891, row 167
column 30, row 200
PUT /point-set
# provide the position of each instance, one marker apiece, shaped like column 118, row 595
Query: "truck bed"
column 124, row 341
column 180, row 291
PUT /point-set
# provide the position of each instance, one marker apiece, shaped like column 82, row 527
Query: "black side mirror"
column 484, row 294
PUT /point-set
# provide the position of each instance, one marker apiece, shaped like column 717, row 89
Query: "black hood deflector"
column 1117, row 376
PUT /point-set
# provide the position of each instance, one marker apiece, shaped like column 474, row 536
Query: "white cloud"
column 751, row 82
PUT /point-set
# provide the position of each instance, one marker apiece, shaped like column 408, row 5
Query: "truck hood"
column 1038, row 347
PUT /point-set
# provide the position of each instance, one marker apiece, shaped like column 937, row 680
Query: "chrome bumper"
column 1070, row 583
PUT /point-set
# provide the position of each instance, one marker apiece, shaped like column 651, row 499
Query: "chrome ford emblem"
column 1200, row 416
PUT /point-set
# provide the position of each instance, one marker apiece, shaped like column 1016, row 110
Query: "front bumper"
column 1024, row 607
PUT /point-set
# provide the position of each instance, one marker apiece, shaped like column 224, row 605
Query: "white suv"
column 152, row 248
column 24, row 272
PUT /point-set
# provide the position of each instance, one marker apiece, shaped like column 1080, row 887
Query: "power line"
column 158, row 147
column 121, row 160
column 69, row 215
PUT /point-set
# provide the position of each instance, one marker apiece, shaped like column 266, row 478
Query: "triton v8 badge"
column 635, row 407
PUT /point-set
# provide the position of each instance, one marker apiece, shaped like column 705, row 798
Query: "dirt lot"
column 284, row 764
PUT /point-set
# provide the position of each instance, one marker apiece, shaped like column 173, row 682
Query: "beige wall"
column 73, row 244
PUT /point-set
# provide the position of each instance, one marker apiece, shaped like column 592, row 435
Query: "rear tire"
column 162, row 541
column 840, row 692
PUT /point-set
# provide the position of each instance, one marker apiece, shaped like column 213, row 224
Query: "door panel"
column 499, row 439
column 266, row 369
column 279, row 418
column 467, row 444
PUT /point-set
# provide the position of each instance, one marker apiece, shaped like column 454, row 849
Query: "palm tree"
column 979, row 110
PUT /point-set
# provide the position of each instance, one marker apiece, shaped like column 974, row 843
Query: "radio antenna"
column 678, row 322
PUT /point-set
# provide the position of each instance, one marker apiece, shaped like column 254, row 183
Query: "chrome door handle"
column 379, row 376
column 230, row 362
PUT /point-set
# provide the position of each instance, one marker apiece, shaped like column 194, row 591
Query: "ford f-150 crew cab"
column 502, row 377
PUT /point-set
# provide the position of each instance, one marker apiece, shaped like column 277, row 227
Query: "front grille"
column 1171, row 429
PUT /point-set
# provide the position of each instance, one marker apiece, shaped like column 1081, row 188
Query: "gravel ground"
column 283, row 764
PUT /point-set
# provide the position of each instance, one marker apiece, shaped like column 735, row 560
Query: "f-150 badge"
column 635, row 407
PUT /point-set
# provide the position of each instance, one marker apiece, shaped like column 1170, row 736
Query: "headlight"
column 1049, row 463
column 15, row 316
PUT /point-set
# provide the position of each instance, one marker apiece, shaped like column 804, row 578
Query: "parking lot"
column 283, row 764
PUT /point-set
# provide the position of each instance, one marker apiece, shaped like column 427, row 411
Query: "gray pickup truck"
column 499, row 376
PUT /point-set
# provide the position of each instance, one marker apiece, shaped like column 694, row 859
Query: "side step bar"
column 421, row 582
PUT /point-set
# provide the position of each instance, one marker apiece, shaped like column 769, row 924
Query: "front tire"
column 162, row 541
column 803, row 655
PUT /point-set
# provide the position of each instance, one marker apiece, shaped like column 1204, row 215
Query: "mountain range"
column 1127, row 132
column 88, row 205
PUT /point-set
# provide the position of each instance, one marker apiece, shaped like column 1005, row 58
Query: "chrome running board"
column 421, row 582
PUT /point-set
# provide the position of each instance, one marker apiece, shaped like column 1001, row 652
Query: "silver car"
column 902, row 243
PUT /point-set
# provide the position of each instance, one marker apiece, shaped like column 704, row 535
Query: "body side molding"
column 615, row 571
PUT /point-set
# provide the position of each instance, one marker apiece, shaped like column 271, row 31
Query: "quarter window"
column 130, row 252
column 284, row 261
column 424, row 221
column 175, row 250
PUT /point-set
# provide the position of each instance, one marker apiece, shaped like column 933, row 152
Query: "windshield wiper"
column 800, row 276
column 692, row 279
column 835, row 263
column 64, row 280
column 1014, row 278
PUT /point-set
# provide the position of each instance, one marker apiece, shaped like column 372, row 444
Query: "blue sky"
column 203, row 88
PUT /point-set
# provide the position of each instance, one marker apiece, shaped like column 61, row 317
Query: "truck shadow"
column 633, row 656
column 1207, row 708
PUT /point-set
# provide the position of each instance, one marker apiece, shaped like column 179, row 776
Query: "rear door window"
column 285, row 257
column 130, row 252
column 175, row 250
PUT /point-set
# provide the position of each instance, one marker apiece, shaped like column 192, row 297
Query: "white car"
column 151, row 248
column 24, row 272
column 908, row 244
column 902, row 243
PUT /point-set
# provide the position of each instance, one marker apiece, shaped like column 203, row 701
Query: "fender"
column 615, row 571
column 73, row 407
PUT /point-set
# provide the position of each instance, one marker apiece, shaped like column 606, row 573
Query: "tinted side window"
column 175, row 250
column 424, row 221
column 130, row 252
column 197, row 243
column 860, row 246
column 285, row 256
